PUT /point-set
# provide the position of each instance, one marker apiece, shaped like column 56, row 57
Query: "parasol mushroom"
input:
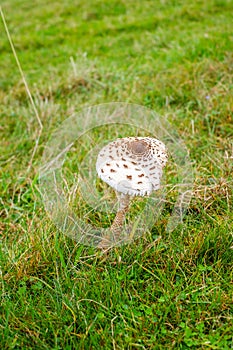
column 132, row 166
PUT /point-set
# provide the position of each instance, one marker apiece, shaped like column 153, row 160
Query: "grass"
column 165, row 290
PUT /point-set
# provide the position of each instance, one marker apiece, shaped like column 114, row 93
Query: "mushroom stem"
column 117, row 224
column 116, row 228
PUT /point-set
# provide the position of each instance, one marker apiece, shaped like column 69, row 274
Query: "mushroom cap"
column 132, row 165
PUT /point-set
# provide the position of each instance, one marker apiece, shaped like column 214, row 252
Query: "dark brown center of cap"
column 138, row 147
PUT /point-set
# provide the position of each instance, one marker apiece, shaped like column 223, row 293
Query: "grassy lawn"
column 166, row 290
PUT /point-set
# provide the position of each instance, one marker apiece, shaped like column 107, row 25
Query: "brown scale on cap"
column 138, row 147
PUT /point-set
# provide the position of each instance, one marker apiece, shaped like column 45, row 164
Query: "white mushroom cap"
column 132, row 165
